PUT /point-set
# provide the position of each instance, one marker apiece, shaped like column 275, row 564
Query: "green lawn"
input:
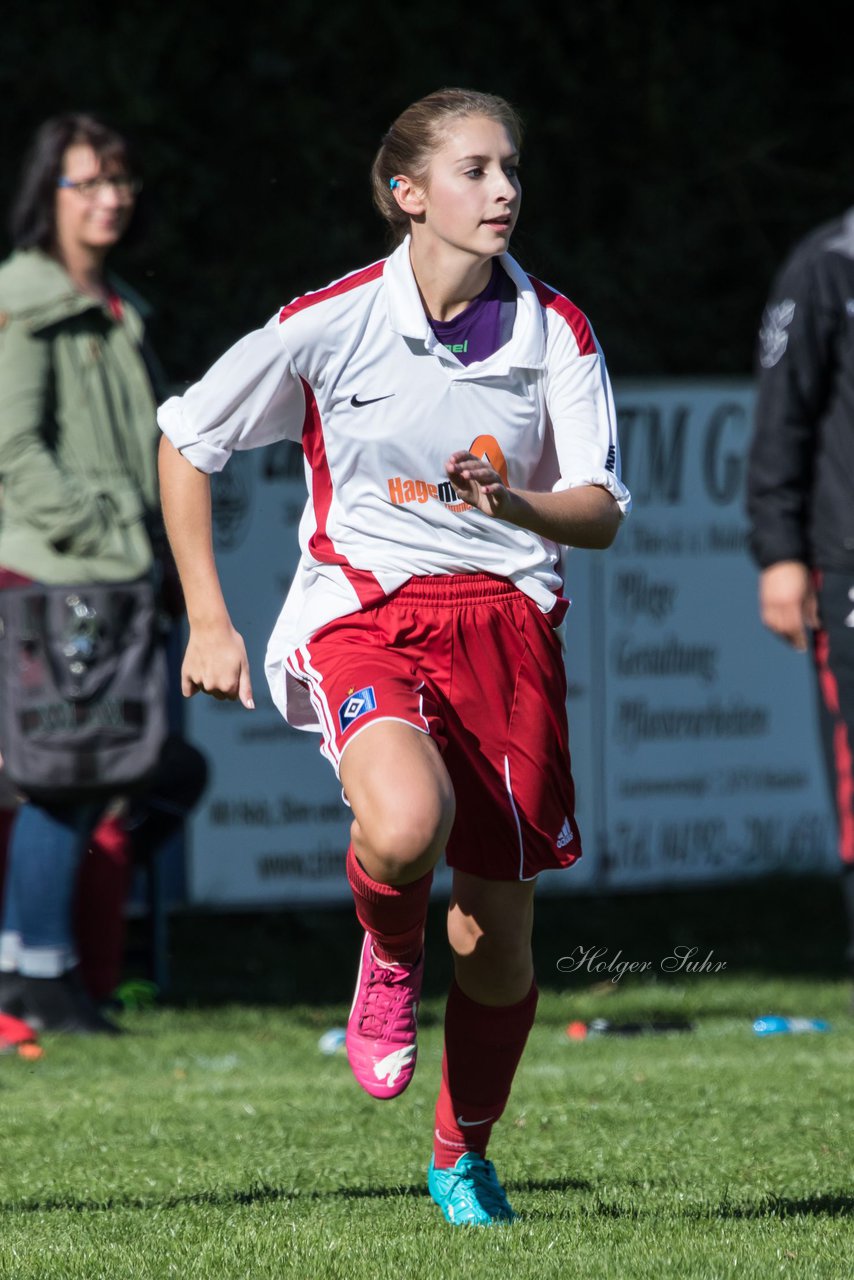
column 222, row 1143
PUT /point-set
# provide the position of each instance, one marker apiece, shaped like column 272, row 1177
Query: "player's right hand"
column 216, row 663
column 787, row 602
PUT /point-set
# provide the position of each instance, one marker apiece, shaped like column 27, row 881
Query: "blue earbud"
column 393, row 182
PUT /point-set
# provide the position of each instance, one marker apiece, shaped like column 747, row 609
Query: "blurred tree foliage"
column 673, row 154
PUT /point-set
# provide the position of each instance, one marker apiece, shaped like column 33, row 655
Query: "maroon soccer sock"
column 483, row 1045
column 394, row 915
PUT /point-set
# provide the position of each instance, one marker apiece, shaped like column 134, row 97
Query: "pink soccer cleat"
column 383, row 1023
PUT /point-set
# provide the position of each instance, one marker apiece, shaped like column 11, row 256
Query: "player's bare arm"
column 215, row 661
column 584, row 517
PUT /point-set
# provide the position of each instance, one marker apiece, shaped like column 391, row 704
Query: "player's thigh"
column 398, row 788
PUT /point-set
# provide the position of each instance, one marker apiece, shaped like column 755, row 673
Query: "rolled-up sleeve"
column 251, row 396
column 581, row 410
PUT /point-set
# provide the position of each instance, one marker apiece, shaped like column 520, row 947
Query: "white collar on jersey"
column 526, row 348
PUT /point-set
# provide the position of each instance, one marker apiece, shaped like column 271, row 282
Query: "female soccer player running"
column 458, row 430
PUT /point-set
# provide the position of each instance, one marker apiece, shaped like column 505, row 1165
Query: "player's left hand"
column 479, row 484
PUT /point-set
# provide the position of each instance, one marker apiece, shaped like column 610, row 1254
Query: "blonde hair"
column 418, row 132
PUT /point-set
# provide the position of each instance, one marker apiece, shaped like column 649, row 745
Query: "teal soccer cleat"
column 470, row 1194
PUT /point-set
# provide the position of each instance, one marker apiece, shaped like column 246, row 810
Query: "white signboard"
column 699, row 727
column 693, row 733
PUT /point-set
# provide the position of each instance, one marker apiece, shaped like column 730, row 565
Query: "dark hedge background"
column 673, row 152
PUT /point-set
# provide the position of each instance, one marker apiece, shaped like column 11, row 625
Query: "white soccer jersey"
column 355, row 374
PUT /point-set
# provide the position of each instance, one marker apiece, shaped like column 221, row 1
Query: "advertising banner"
column 699, row 727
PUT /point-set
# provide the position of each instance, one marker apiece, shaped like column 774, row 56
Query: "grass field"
column 221, row 1143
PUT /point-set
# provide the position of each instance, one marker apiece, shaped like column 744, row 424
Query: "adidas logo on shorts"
column 565, row 834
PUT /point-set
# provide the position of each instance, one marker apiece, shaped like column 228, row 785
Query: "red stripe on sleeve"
column 569, row 312
column 365, row 276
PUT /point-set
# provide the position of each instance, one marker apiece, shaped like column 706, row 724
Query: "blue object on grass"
column 775, row 1025
column 333, row 1040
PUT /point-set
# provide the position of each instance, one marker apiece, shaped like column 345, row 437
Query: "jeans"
column 47, row 845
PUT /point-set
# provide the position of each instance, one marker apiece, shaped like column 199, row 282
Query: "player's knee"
column 464, row 934
column 497, row 956
column 492, row 974
column 404, row 839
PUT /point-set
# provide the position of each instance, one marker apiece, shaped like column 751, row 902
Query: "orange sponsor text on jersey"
column 402, row 491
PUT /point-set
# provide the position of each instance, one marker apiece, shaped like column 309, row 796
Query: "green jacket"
column 78, row 432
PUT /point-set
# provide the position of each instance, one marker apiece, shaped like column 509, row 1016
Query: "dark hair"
column 417, row 133
column 32, row 221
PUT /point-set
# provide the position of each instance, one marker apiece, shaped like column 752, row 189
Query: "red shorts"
column 472, row 661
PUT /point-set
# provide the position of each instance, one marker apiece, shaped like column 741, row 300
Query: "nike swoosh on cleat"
column 467, row 1124
column 360, row 404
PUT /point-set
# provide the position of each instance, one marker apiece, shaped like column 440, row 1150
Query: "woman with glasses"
column 79, row 492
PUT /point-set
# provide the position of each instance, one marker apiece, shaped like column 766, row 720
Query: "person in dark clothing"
column 800, row 492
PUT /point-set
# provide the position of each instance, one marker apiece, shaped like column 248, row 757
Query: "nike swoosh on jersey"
column 360, row 404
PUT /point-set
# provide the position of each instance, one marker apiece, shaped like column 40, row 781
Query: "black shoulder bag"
column 83, row 688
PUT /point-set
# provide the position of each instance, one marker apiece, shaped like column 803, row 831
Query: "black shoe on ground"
column 64, row 1004
column 11, row 994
